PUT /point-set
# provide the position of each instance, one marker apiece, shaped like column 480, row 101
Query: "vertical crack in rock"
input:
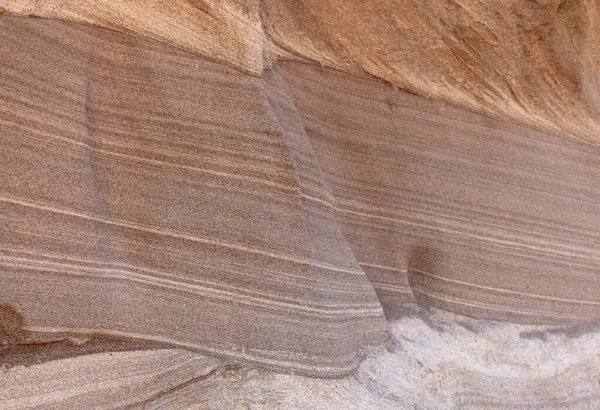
column 326, row 240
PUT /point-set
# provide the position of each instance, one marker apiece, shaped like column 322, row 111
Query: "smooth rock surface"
column 148, row 193
column 477, row 216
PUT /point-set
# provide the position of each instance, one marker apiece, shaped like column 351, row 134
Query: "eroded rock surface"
column 228, row 31
column 438, row 361
column 189, row 189
column 476, row 216
column 533, row 61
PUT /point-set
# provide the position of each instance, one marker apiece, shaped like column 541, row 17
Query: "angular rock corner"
column 316, row 204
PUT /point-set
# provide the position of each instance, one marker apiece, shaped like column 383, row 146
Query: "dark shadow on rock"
column 12, row 325
column 571, row 332
column 23, row 348
column 423, row 259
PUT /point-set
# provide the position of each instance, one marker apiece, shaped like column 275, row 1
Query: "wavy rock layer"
column 477, row 216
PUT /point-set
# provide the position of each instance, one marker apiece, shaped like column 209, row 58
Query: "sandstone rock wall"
column 149, row 193
column 204, row 186
column 531, row 61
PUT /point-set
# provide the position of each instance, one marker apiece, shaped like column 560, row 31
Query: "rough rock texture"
column 224, row 30
column 179, row 204
column 534, row 61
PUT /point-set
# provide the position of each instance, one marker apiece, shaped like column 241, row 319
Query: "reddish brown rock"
column 148, row 193
column 165, row 207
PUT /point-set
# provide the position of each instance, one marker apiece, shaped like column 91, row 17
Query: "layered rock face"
column 181, row 181
column 228, row 31
column 160, row 192
column 533, row 61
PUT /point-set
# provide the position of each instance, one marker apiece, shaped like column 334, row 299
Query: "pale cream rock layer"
column 107, row 380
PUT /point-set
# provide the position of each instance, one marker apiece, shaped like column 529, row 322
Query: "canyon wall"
column 298, row 186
